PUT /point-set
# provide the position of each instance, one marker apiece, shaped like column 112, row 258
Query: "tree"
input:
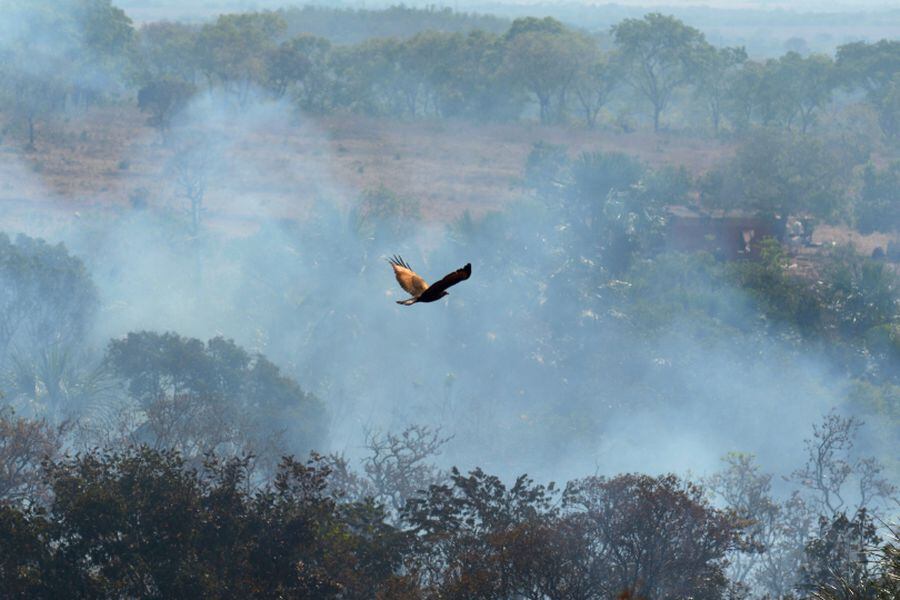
column 62, row 52
column 862, row 295
column 878, row 207
column 806, row 85
column 395, row 465
column 166, row 51
column 608, row 204
column 24, row 445
column 853, row 567
column 164, row 99
column 717, row 67
column 748, row 494
column 876, row 69
column 313, row 91
column 472, row 82
column 544, row 58
column 477, row 538
column 837, row 559
column 659, row 54
column 139, row 523
column 191, row 167
column 658, row 536
column 777, row 175
column 287, row 65
column 47, row 303
column 198, row 398
column 830, row 475
column 594, row 84
column 233, row 50
column 742, row 94
column 32, row 98
column 106, row 31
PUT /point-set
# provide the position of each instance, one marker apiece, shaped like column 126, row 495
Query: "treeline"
column 463, row 68
column 139, row 522
column 355, row 25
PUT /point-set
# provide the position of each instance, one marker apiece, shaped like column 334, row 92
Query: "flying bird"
column 420, row 291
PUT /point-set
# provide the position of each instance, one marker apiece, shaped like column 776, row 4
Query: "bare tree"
column 748, row 492
column 831, row 472
column 191, row 168
column 396, row 468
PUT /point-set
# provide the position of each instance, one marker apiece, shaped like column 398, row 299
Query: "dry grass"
column 278, row 167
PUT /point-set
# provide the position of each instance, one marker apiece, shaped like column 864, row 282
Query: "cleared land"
column 276, row 166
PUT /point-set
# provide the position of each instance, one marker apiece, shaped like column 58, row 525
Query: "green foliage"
column 860, row 293
column 834, row 558
column 782, row 297
column 594, row 85
column 288, row 65
column 659, row 54
column 346, row 26
column 199, row 398
column 544, row 58
column 31, row 99
column 878, row 208
column 139, row 523
column 233, row 50
column 684, row 288
column 166, row 51
column 876, row 69
column 47, row 304
column 716, row 70
column 778, row 175
column 106, row 30
column 164, row 99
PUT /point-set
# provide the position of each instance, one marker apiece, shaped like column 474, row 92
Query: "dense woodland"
column 151, row 463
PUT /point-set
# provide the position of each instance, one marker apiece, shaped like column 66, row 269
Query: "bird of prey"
column 418, row 288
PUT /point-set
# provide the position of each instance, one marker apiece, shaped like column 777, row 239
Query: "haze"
column 683, row 228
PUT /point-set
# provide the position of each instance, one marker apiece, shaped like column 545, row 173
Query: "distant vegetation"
column 157, row 464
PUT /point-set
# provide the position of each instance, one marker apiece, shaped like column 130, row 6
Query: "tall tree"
column 876, row 69
column 166, row 50
column 594, row 84
column 544, row 57
column 659, row 54
column 806, row 85
column 716, row 67
column 47, row 303
column 233, row 50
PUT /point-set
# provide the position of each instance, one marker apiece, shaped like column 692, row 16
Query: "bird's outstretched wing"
column 407, row 278
column 438, row 287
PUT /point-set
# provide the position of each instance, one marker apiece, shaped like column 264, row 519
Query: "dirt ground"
column 97, row 163
column 99, row 159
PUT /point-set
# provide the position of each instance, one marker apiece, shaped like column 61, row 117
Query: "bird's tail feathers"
column 396, row 260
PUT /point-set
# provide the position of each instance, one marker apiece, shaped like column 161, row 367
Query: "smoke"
column 526, row 373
